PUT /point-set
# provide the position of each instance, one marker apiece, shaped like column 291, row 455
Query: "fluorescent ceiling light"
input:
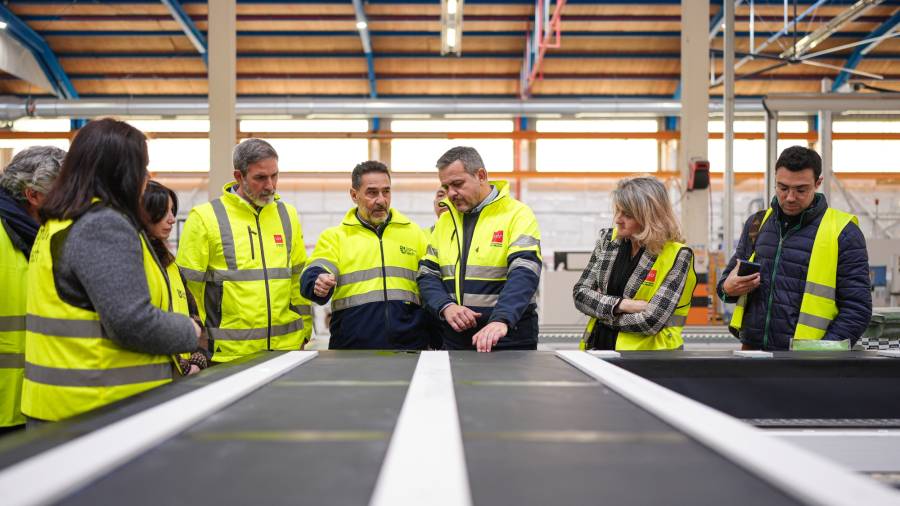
column 451, row 37
column 361, row 25
column 451, row 6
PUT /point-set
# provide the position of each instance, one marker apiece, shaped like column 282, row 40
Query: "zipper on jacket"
column 262, row 255
column 252, row 247
column 457, row 276
column 387, row 314
column 775, row 265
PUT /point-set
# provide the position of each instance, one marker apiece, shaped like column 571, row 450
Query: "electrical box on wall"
column 698, row 175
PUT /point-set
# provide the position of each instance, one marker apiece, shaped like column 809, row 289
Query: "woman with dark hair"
column 100, row 325
column 161, row 207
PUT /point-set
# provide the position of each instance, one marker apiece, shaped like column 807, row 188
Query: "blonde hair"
column 646, row 200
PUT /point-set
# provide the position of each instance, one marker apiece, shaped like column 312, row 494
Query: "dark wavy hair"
column 156, row 204
column 107, row 160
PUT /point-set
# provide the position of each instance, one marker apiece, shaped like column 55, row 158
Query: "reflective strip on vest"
column 374, row 296
column 218, row 276
column 12, row 360
column 485, row 272
column 220, row 334
column 820, row 290
column 225, row 233
column 816, row 322
column 59, row 327
column 325, row 264
column 428, row 271
column 481, row 299
column 525, row 263
column 98, row 377
column 431, row 251
column 448, row 271
column 12, row 323
column 524, row 241
column 286, row 226
column 375, row 273
column 304, row 310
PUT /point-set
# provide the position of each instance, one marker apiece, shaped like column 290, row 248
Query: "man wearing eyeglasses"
column 811, row 290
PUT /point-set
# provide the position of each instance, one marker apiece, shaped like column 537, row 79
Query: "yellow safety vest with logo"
column 243, row 266
column 71, row 366
column 505, row 227
column 366, row 269
column 669, row 338
column 818, row 307
column 13, row 272
column 179, row 301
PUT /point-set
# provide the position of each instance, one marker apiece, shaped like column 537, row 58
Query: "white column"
column 728, row 103
column 222, row 92
column 825, row 145
column 694, row 118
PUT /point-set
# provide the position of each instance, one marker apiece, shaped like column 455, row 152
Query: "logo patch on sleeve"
column 497, row 240
column 279, row 240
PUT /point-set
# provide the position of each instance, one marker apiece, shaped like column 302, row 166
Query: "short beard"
column 256, row 200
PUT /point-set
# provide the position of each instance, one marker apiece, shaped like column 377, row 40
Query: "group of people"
column 97, row 307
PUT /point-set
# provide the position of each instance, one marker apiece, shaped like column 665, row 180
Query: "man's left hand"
column 487, row 338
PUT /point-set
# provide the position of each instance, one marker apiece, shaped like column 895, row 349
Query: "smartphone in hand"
column 746, row 268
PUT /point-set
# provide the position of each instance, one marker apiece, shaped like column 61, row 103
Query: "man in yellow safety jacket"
column 483, row 266
column 242, row 255
column 367, row 266
column 812, row 289
column 23, row 184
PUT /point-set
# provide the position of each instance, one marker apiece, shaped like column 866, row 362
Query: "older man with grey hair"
column 23, row 185
column 242, row 255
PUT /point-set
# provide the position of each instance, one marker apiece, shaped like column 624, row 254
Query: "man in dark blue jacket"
column 813, row 282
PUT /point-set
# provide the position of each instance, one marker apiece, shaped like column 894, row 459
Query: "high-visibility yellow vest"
column 818, row 307
column 505, row 227
column 669, row 338
column 368, row 269
column 243, row 267
column 179, row 301
column 13, row 272
column 71, row 366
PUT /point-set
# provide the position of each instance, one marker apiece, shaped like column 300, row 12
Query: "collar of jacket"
column 235, row 199
column 810, row 214
column 502, row 193
column 396, row 218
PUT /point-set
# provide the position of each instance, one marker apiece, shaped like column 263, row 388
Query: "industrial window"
column 19, row 144
column 420, row 155
column 866, row 155
column 170, row 125
column 304, row 125
column 597, row 155
column 178, row 155
column 41, row 125
column 320, row 155
column 750, row 154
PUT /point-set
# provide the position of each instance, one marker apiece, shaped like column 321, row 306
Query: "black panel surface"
column 317, row 435
column 560, row 438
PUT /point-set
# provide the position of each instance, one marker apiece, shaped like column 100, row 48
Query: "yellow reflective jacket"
column 375, row 302
column 13, row 272
column 501, row 272
column 71, row 366
column 243, row 268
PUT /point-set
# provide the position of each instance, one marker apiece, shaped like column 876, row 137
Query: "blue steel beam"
column 62, row 86
column 362, row 25
column 188, row 27
column 860, row 51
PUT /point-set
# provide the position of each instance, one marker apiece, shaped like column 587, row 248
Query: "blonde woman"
column 638, row 284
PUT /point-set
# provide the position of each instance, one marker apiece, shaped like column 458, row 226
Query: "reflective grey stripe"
column 286, row 225
column 63, row 328
column 325, row 264
column 480, row 300
column 481, row 271
column 98, row 377
column 374, row 296
column 431, row 251
column 523, row 241
column 12, row 360
column 448, row 271
column 816, row 322
column 12, row 323
column 248, row 274
column 375, row 273
column 297, row 269
column 192, row 275
column 428, row 271
column 254, row 334
column 676, row 321
column 304, row 310
column 531, row 265
column 820, row 290
column 225, row 233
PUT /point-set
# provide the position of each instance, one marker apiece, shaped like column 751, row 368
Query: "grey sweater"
column 101, row 268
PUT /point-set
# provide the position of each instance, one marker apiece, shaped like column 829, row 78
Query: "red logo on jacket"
column 497, row 240
column 279, row 240
column 651, row 276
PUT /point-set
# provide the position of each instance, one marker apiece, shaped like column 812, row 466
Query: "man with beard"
column 242, row 255
column 367, row 265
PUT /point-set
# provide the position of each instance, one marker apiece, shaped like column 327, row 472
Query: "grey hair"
column 470, row 159
column 251, row 151
column 35, row 168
